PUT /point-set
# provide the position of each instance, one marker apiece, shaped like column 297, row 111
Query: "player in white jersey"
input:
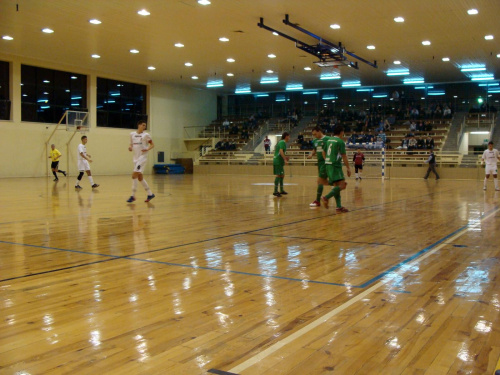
column 140, row 144
column 490, row 157
column 83, row 164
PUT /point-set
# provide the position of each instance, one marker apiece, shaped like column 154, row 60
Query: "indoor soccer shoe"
column 283, row 192
column 95, row 186
column 340, row 210
column 325, row 201
column 131, row 199
column 56, row 179
column 149, row 197
column 64, row 173
column 78, row 187
column 315, row 204
column 276, row 194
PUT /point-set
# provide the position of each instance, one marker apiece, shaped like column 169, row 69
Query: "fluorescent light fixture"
column 224, row 39
column 472, row 67
column 445, row 59
column 335, row 26
column 269, row 80
column 309, row 92
column 329, row 97
column 95, row 56
column 230, row 74
column 370, row 47
column 76, row 97
column 423, row 87
column 204, row 2
column 479, row 132
column 482, row 77
column 271, row 55
column 47, row 30
column 351, row 84
column 179, row 45
column 398, row 72
column 143, row 12
column 151, row 68
column 45, row 106
column 294, row 86
column 379, row 95
column 329, row 76
column 230, row 60
column 188, row 64
column 281, row 100
column 46, row 81
column 399, row 19
column 261, row 95
column 411, row 81
column 489, row 84
column 494, row 91
column 364, row 90
column 435, row 93
column 134, row 51
column 7, row 37
column 242, row 91
column 307, row 68
column 95, row 21
column 488, row 37
column 74, row 77
column 269, row 71
column 215, row 83
column 426, row 43
column 194, row 77
column 397, row 62
column 472, row 11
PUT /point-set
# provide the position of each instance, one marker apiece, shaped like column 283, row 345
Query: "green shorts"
column 322, row 170
column 279, row 169
column 335, row 174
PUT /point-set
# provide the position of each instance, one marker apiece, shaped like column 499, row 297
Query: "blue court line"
column 321, row 239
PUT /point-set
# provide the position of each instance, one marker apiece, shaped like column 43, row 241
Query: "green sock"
column 281, row 183
column 330, row 194
column 319, row 192
column 336, row 194
column 276, row 181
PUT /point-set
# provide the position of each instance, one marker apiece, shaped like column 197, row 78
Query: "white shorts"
column 140, row 163
column 83, row 165
column 491, row 169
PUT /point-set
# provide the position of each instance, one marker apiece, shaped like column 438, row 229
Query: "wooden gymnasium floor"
column 217, row 276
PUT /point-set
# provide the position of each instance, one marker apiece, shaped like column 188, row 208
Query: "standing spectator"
column 432, row 166
column 358, row 160
column 55, row 155
column 490, row 157
column 140, row 144
column 279, row 161
column 267, row 145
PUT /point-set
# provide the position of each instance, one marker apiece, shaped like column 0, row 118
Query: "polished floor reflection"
column 215, row 275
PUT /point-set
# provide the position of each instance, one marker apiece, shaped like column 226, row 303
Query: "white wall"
column 23, row 144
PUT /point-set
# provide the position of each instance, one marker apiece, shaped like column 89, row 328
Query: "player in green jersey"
column 334, row 154
column 279, row 161
column 319, row 143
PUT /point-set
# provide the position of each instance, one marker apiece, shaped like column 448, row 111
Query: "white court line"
column 301, row 332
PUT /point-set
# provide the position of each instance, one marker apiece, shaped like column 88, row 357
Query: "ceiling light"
column 426, row 43
column 472, row 11
column 224, row 39
column 445, row 59
column 351, row 84
column 309, row 92
column 216, row 83
column 143, row 12
column 410, row 81
column 134, row 51
column 95, row 21
column 307, row 68
column 498, row 56
column 7, row 37
column 275, row 33
column 488, row 37
column 329, row 76
column 266, row 80
column 271, row 56
column 151, row 68
column 335, row 26
column 370, row 47
column 188, row 64
column 46, row 81
column 398, row 72
column 295, row 86
column 399, row 19
column 74, row 77
column 194, row 77
column 472, row 68
column 482, row 77
column 95, row 56
column 231, row 60
column 397, row 62
column 204, row 2
column 179, row 45
column 269, row 71
column 47, row 30
column 261, row 95
column 230, row 74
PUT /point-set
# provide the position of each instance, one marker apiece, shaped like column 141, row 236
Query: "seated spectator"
column 352, row 138
column 219, row 144
column 447, row 112
column 404, row 143
column 300, row 139
column 420, row 143
column 413, row 126
column 381, row 137
column 428, row 126
column 414, row 113
column 428, row 112
column 387, row 125
column 234, row 130
column 244, row 134
column 231, row 146
column 225, row 124
column 429, row 143
column 412, row 144
column 420, row 126
column 438, row 112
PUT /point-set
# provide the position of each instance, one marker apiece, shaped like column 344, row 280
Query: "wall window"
column 4, row 91
column 46, row 94
column 120, row 104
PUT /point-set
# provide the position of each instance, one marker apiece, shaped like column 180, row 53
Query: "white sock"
column 146, row 187
column 77, row 182
column 357, row 175
column 496, row 182
column 91, row 180
column 485, row 181
column 134, row 186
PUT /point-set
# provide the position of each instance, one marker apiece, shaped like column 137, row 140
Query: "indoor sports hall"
column 205, row 271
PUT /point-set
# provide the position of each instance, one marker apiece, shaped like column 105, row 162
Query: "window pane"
column 4, row 91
